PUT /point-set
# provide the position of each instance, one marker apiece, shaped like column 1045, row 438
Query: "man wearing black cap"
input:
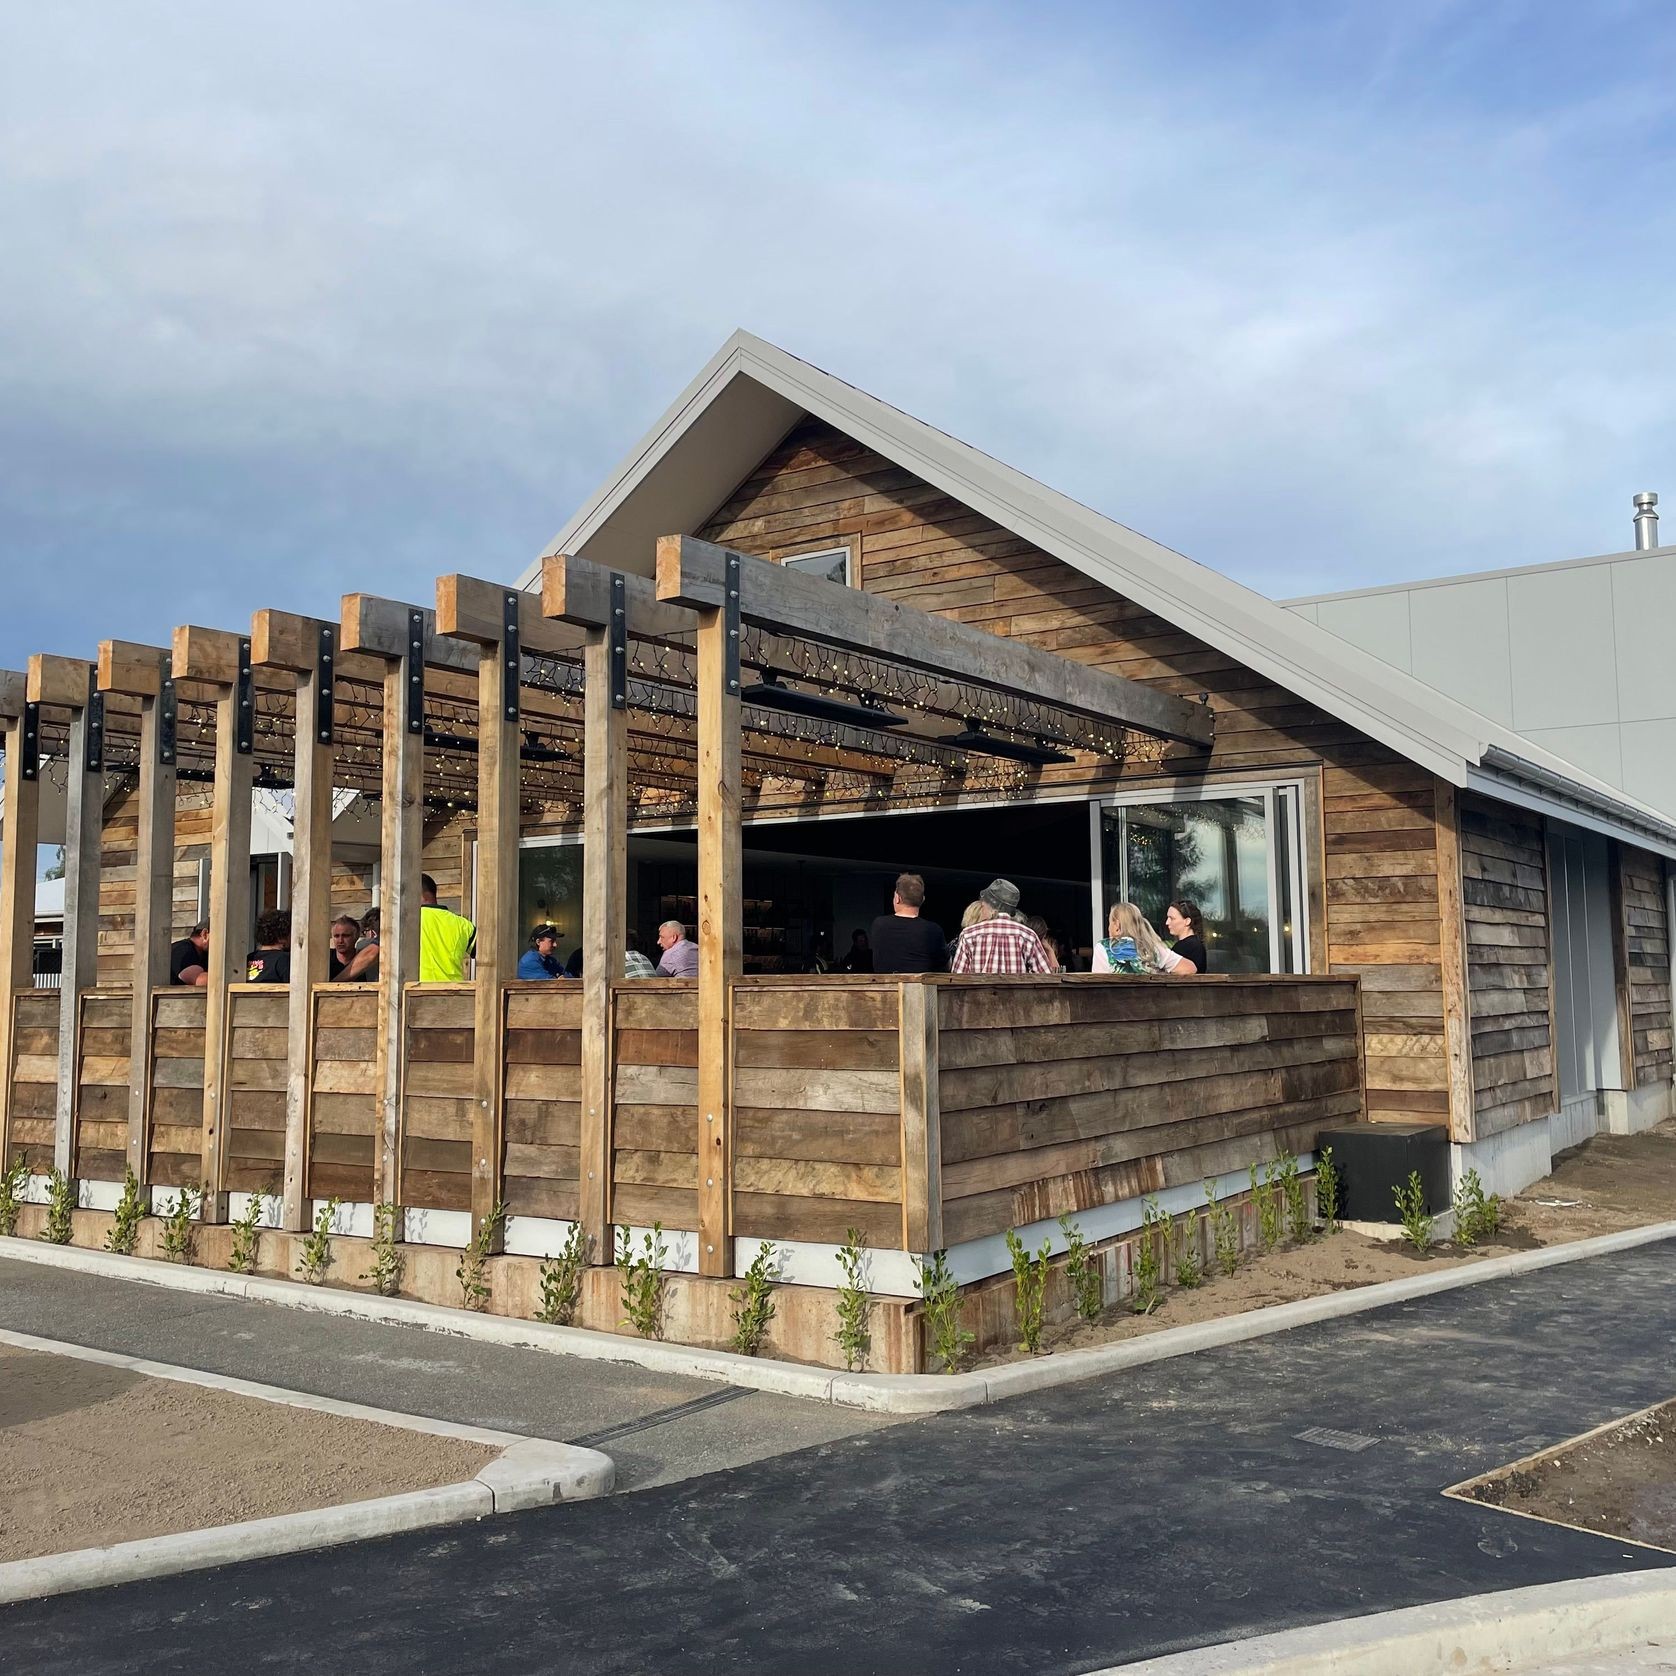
column 1000, row 945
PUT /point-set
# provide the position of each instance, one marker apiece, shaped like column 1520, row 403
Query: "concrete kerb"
column 1518, row 1629
column 878, row 1393
column 528, row 1472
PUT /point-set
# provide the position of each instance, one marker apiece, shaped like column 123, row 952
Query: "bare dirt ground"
column 93, row 1455
column 1620, row 1481
column 1609, row 1183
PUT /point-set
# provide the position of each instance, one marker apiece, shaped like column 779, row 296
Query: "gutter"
column 1594, row 809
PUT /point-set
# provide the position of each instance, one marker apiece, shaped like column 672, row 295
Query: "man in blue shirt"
column 539, row 960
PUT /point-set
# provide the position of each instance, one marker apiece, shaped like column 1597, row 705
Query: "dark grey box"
column 1375, row 1159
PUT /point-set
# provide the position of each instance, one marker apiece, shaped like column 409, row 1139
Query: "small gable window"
column 831, row 562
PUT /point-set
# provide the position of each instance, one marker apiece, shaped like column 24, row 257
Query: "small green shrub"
column 1082, row 1270
column 1030, row 1272
column 1300, row 1225
column 1477, row 1213
column 247, row 1235
column 315, row 1257
column 12, row 1184
column 1224, row 1231
column 61, row 1203
column 1148, row 1264
column 753, row 1303
column 180, row 1238
column 561, row 1279
column 945, row 1338
column 643, row 1280
column 124, row 1234
column 855, row 1333
column 473, row 1272
column 387, row 1259
column 1190, row 1269
column 1264, row 1202
column 1326, row 1190
column 1411, row 1207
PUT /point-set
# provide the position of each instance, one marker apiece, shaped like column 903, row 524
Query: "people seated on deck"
column 904, row 940
column 1186, row 926
column 635, row 964
column 1000, row 943
column 342, row 940
column 539, row 960
column 189, row 958
column 680, row 956
column 860, row 957
column 1131, row 945
column 1040, row 927
column 270, row 960
column 446, row 939
column 362, row 966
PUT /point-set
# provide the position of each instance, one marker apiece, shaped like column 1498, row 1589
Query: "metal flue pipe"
column 1646, row 522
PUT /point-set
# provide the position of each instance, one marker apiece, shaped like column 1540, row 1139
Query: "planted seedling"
column 753, row 1303
column 561, row 1279
column 130, row 1211
column 247, row 1234
column 1326, row 1190
column 315, row 1257
column 1148, row 1264
column 1411, row 1207
column 945, row 1338
column 642, row 1276
column 180, row 1238
column 12, row 1184
column 388, row 1261
column 1224, row 1231
column 1300, row 1227
column 855, row 1334
column 1190, row 1269
column 1029, row 1289
column 1477, row 1214
column 473, row 1272
column 61, row 1202
column 1267, row 1202
column 1082, row 1270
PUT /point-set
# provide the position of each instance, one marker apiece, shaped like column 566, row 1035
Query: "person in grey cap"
column 1001, row 944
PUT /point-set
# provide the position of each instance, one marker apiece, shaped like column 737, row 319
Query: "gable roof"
column 751, row 393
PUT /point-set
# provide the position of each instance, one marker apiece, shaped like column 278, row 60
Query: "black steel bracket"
column 618, row 630
column 323, row 678
column 244, row 692
column 168, row 716
column 93, row 719
column 512, row 658
column 730, row 621
column 29, row 746
column 416, row 672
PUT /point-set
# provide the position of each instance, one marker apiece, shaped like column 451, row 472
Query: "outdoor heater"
column 973, row 738
column 771, row 694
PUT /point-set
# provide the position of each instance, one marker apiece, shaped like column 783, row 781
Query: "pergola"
column 728, row 686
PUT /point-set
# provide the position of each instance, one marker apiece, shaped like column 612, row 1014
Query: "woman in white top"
column 1131, row 945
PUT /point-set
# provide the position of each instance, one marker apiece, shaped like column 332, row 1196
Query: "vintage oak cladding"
column 343, row 1100
column 257, row 1037
column 103, row 1071
column 34, row 1077
column 543, row 1098
column 654, row 1153
column 176, row 1117
column 438, row 1035
column 1646, row 935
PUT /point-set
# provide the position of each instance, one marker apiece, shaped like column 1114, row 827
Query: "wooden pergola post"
column 223, row 660
column 19, row 825
column 67, row 683
column 308, row 649
column 143, row 672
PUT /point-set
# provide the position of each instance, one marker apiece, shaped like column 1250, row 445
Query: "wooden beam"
column 604, row 922
column 401, row 843
column 14, row 693
column 125, row 667
column 381, row 626
column 690, row 573
column 84, row 821
column 204, row 654
column 922, row 1144
column 475, row 610
column 579, row 591
column 61, row 682
column 1457, row 988
column 720, row 935
column 19, row 825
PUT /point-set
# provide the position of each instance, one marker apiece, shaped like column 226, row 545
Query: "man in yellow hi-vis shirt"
column 446, row 939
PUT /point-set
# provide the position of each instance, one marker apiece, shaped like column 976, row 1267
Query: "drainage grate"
column 1352, row 1443
column 661, row 1416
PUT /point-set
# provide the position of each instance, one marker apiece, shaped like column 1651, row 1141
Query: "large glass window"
column 550, row 890
column 1235, row 858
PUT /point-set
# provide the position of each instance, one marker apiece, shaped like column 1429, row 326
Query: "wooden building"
column 798, row 624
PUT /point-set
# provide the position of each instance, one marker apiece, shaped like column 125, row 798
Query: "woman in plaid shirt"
column 999, row 944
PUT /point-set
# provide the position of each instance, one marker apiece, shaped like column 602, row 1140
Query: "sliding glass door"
column 1235, row 856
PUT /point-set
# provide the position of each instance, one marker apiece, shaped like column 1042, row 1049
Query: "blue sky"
column 297, row 299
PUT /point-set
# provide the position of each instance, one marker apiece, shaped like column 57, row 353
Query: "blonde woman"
column 1131, row 945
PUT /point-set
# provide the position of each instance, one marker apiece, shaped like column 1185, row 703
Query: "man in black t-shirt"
column 903, row 941
column 270, row 960
column 345, row 934
column 189, row 958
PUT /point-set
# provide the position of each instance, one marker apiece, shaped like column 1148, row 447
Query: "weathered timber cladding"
column 927, row 549
column 654, row 1141
column 103, row 1069
column 175, row 1118
column 1505, row 896
column 1057, row 1095
column 257, row 1043
column 438, row 1036
column 33, row 1076
column 1646, row 934
column 817, row 1140
column 119, row 839
column 542, row 1094
column 342, row 1101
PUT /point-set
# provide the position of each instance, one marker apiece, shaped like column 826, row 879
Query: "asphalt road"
column 1169, row 1506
